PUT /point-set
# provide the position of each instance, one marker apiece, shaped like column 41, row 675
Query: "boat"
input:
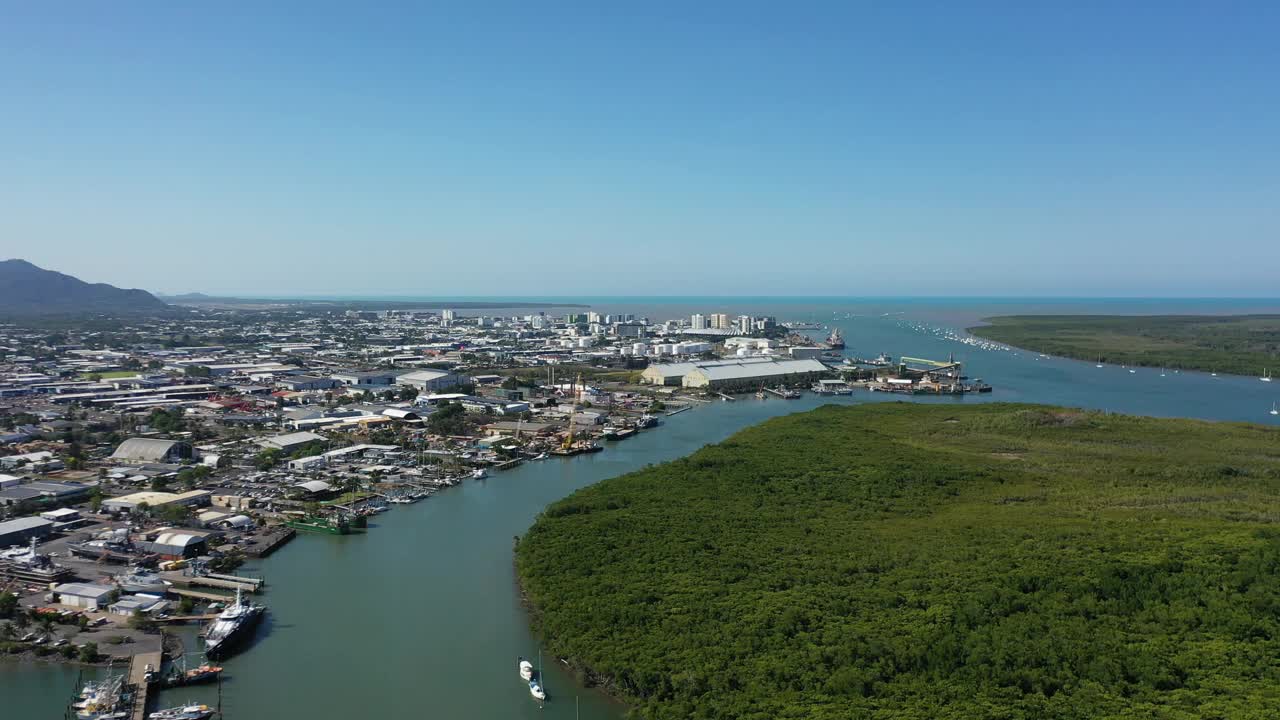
column 231, row 626
column 762, row 395
column 1131, row 370
column 835, row 341
column 28, row 564
column 790, row 394
column 647, row 421
column 183, row 712
column 194, row 676
column 320, row 524
column 535, row 685
column 480, row 474
column 140, row 580
column 540, row 456
column 618, row 433
column 1266, row 376
column 102, row 700
column 526, row 670
column 1274, row 410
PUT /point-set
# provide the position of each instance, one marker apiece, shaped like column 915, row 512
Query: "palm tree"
column 21, row 621
column 7, row 632
column 46, row 627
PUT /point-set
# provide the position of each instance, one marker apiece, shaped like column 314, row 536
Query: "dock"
column 138, row 679
column 199, row 594
column 223, row 582
column 677, row 412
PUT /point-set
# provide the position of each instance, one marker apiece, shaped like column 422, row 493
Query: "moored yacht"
column 231, row 626
column 526, row 670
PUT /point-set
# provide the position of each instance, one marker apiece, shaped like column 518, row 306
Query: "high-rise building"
column 744, row 324
column 698, row 321
column 720, row 321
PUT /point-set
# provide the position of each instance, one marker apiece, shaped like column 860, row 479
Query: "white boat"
column 526, row 670
column 1266, row 376
column 1133, row 371
column 480, row 474
column 536, row 690
column 540, row 456
column 185, row 712
column 1274, row 410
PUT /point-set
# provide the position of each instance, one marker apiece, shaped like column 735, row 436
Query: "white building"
column 698, row 321
column 430, row 380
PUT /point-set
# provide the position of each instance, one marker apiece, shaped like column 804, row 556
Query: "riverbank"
column 1234, row 344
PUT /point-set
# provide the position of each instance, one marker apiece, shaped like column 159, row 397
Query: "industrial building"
column 290, row 442
column 174, row 545
column 747, row 375
column 20, row 531
column 430, row 380
column 674, row 373
column 84, row 595
column 129, row 503
column 152, row 450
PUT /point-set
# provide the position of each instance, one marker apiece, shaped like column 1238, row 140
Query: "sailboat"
column 1266, row 376
column 535, row 683
column 1274, row 411
column 1099, row 363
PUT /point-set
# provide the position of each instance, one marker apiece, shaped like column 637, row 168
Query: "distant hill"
column 29, row 290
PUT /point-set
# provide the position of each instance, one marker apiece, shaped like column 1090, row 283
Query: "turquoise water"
column 420, row 617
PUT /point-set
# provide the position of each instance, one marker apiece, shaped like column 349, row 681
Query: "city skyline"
column 991, row 150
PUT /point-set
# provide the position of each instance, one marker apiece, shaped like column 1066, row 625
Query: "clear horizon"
column 990, row 150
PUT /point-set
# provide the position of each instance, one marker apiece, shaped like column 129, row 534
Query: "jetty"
column 138, row 676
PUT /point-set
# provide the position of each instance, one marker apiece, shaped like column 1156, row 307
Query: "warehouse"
column 177, row 545
column 675, row 373
column 152, row 450
column 748, row 375
column 289, row 442
column 20, row 531
column 430, row 380
column 84, row 596
column 129, row 503
column 300, row 383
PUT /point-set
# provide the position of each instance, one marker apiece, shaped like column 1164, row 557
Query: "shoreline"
column 585, row 676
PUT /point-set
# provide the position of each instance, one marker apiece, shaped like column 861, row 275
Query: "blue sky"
column 487, row 148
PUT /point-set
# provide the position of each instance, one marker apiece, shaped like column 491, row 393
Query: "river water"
column 420, row 616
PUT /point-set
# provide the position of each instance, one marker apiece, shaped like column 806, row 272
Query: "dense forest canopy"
column 921, row 561
column 1239, row 344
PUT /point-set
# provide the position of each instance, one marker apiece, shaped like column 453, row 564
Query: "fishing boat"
column 231, row 626
column 184, row 712
column 526, row 670
column 320, row 524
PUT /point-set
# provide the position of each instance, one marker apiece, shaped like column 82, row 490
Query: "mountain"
column 29, row 290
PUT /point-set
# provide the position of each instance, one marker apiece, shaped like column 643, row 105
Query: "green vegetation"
column 915, row 561
column 109, row 375
column 1240, row 344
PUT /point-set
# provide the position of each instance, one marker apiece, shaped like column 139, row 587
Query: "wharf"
column 280, row 539
column 199, row 594
column 250, row 585
column 138, row 679
column 677, row 412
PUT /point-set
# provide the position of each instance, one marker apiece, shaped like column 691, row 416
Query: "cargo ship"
column 835, row 340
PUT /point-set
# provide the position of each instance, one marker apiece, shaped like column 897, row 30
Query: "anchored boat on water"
column 331, row 525
column 184, row 712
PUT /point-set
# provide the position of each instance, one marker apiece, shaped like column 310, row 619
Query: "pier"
column 224, row 582
column 138, row 679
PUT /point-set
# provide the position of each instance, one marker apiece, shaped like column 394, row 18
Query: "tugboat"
column 231, row 626
column 835, row 341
